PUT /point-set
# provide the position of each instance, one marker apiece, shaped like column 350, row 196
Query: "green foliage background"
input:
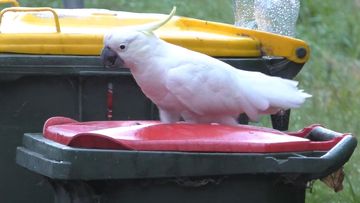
column 332, row 75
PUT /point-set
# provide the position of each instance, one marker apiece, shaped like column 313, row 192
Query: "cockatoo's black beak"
column 110, row 58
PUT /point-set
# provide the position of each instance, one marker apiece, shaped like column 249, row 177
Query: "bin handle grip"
column 39, row 9
column 13, row 2
column 339, row 154
column 343, row 148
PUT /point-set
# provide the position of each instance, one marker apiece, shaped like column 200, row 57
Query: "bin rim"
column 58, row 161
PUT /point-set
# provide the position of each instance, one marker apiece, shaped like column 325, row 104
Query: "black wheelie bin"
column 50, row 66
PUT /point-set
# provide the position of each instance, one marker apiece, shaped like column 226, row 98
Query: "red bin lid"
column 156, row 136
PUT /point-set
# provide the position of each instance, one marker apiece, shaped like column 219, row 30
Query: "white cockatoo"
column 191, row 85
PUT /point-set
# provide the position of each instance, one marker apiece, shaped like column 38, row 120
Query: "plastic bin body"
column 233, row 188
column 36, row 87
column 45, row 74
column 92, row 177
column 101, row 175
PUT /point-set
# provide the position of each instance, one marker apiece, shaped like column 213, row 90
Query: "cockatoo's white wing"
column 214, row 92
column 207, row 86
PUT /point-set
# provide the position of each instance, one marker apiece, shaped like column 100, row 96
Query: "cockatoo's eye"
column 122, row 47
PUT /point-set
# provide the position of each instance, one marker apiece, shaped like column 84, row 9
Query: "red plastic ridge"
column 156, row 136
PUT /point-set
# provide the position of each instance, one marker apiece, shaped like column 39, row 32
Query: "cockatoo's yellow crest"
column 149, row 28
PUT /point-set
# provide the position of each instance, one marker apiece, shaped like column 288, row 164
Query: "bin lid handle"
column 37, row 9
column 13, row 2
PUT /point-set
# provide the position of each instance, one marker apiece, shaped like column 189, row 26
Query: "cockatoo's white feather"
column 194, row 86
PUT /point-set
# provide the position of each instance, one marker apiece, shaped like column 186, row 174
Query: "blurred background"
column 332, row 75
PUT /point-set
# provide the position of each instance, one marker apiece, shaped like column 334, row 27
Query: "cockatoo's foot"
column 168, row 117
column 228, row 121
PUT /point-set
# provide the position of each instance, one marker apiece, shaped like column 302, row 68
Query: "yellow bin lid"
column 80, row 32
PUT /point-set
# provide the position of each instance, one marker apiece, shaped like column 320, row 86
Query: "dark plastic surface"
column 78, row 175
column 221, row 189
column 34, row 88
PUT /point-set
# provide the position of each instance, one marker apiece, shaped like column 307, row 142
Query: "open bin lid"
column 329, row 150
column 80, row 32
column 155, row 136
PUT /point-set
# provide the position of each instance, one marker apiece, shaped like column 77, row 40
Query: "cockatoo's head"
column 121, row 44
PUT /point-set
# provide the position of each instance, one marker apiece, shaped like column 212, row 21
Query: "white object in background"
column 277, row 16
column 244, row 13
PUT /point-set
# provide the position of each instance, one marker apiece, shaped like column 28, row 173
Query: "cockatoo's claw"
column 110, row 58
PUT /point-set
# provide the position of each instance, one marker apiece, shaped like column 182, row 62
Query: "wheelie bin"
column 50, row 66
column 148, row 161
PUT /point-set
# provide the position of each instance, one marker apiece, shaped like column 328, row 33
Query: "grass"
column 332, row 74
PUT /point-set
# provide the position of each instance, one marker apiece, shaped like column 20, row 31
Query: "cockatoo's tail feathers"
column 306, row 95
column 150, row 27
